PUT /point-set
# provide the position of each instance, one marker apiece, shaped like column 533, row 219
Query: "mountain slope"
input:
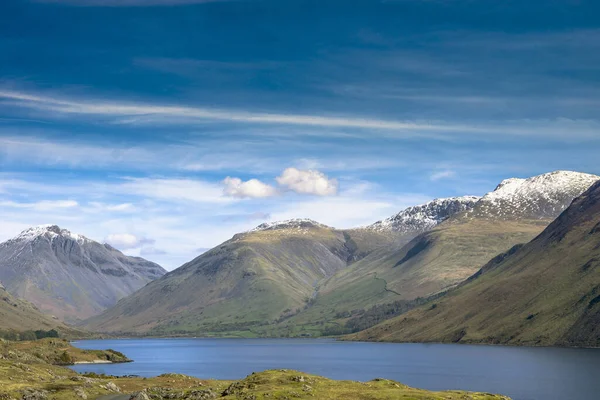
column 19, row 315
column 262, row 276
column 546, row 292
column 300, row 277
column 253, row 279
column 438, row 259
column 68, row 275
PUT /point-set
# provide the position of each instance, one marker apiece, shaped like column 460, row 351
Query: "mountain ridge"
column 520, row 297
column 69, row 275
column 309, row 276
column 425, row 216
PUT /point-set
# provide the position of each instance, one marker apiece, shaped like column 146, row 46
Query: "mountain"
column 546, row 292
column 541, row 197
column 68, row 275
column 301, row 277
column 263, row 277
column 19, row 315
column 422, row 218
column 255, row 278
column 439, row 259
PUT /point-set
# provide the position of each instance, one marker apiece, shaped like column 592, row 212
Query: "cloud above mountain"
column 305, row 182
column 252, row 188
column 308, row 182
column 127, row 241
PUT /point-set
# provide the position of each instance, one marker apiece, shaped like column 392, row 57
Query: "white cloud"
column 348, row 210
column 102, row 207
column 445, row 174
column 126, row 241
column 43, row 205
column 252, row 188
column 308, row 182
column 172, row 189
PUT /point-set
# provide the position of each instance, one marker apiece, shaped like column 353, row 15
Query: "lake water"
column 520, row 372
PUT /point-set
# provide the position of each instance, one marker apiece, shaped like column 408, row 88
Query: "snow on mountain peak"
column 540, row 197
column 425, row 216
column 49, row 231
column 545, row 185
column 296, row 223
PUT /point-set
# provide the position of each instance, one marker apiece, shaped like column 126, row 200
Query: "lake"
column 524, row 373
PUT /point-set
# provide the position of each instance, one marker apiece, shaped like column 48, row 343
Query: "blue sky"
column 164, row 126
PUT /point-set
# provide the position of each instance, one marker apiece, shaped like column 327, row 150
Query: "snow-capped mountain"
column 69, row 275
column 290, row 224
column 424, row 217
column 48, row 231
column 540, row 197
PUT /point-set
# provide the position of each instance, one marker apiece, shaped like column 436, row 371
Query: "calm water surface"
column 520, row 372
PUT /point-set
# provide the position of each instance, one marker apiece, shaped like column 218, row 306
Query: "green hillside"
column 17, row 316
column 255, row 279
column 546, row 292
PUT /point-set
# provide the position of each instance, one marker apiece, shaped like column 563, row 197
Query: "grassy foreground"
column 28, row 372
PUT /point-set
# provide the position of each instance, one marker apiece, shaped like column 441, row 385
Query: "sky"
column 163, row 127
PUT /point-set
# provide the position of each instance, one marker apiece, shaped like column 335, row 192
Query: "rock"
column 112, row 387
column 6, row 396
column 139, row 396
column 232, row 389
column 204, row 394
column 87, row 382
column 80, row 393
column 32, row 394
column 307, row 388
column 160, row 393
column 298, row 379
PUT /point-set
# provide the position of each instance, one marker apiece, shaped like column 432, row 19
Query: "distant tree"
column 65, row 358
column 52, row 333
column 28, row 335
column 9, row 335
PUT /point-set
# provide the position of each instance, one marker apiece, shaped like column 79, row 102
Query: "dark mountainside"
column 68, row 275
column 546, row 292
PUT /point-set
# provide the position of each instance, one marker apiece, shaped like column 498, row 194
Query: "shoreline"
column 94, row 362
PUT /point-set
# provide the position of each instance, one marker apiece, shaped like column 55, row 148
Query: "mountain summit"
column 298, row 224
column 426, row 216
column 69, row 275
column 540, row 197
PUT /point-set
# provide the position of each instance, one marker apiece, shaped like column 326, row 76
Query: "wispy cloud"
column 191, row 67
column 127, row 3
column 43, row 205
column 189, row 190
column 121, row 109
column 563, row 128
column 444, row 174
